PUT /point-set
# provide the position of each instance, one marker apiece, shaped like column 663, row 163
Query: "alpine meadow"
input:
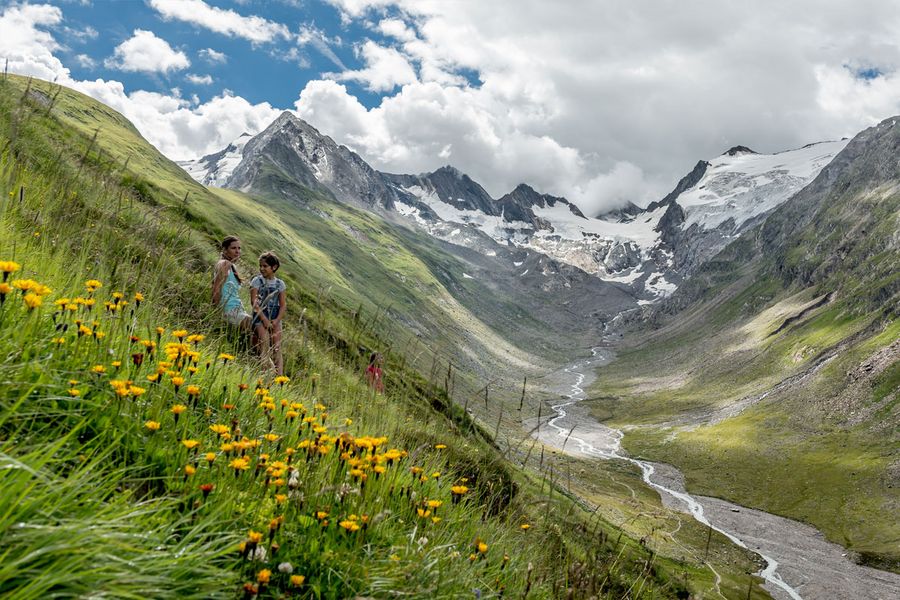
column 544, row 369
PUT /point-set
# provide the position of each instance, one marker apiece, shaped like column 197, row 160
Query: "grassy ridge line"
column 85, row 231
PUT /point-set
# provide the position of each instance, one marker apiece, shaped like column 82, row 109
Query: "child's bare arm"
column 282, row 306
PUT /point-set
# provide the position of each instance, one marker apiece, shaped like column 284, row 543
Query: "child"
column 374, row 374
column 267, row 296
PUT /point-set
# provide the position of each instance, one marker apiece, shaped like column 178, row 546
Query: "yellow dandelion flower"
column 189, row 470
column 192, row 390
column 24, row 284
column 226, row 357
column 210, row 457
column 92, row 285
column 220, row 429
column 240, row 464
column 482, row 547
column 349, row 525
column 440, row 446
column 281, row 380
column 152, row 425
column 190, row 444
column 98, row 369
column 297, row 580
column 32, row 301
column 524, row 526
column 179, row 334
column 264, row 576
column 8, row 266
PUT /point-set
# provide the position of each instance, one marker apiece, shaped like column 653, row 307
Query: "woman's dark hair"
column 270, row 259
column 229, row 240
column 372, row 358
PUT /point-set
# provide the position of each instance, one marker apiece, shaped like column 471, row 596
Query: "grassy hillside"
column 143, row 454
column 773, row 381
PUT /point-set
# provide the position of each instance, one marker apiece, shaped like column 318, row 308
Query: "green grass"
column 99, row 501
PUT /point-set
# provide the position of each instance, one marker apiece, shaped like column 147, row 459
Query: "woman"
column 227, row 283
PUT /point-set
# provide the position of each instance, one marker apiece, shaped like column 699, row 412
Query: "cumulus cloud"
column 227, row 22
column 179, row 128
column 603, row 103
column 147, row 53
column 385, row 69
column 26, row 45
column 213, row 56
column 619, row 99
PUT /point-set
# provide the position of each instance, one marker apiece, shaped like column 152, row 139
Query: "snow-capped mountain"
column 215, row 169
column 648, row 250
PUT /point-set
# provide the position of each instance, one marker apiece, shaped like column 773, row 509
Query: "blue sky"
column 276, row 75
column 600, row 102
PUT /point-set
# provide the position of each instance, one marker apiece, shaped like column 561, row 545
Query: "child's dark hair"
column 270, row 259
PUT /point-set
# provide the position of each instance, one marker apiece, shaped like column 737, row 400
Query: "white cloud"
column 199, row 79
column 147, row 53
column 311, row 35
column 213, row 57
column 81, row 35
column 601, row 102
column 28, row 48
column 385, row 69
column 227, row 22
column 615, row 101
column 179, row 129
column 85, row 61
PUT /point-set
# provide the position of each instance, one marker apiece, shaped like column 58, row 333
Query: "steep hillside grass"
column 144, row 455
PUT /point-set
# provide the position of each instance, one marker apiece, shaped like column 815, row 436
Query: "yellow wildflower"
column 152, row 425
column 297, row 580
column 32, row 301
column 190, row 444
column 349, row 525
column 240, row 464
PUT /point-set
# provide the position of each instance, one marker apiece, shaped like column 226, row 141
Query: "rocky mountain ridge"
column 649, row 251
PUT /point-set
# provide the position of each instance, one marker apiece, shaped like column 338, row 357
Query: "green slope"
column 98, row 501
column 771, row 379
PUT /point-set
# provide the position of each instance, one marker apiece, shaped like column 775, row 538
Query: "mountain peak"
column 735, row 150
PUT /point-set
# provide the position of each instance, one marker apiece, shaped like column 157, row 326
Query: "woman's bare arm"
column 219, row 280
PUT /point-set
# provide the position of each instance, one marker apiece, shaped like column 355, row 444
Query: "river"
column 800, row 563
